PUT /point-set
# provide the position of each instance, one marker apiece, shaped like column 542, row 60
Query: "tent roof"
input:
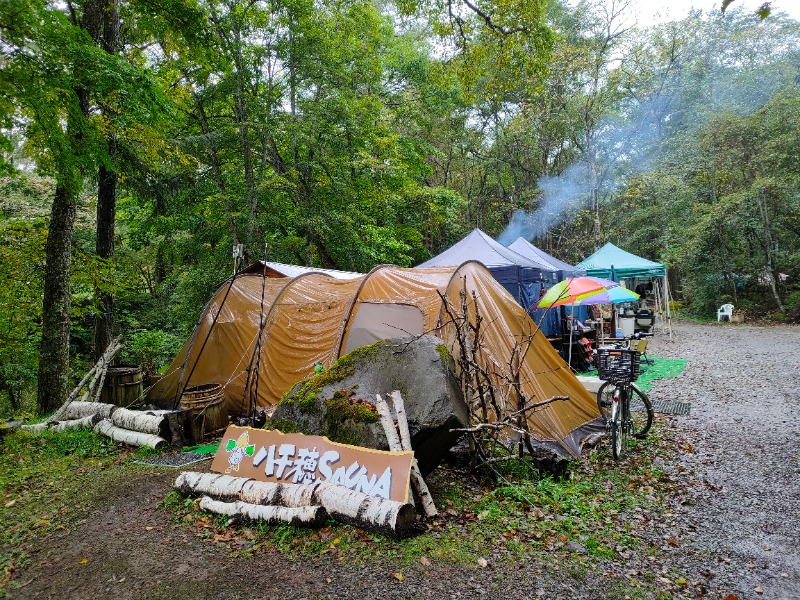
column 528, row 250
column 624, row 263
column 276, row 269
column 479, row 246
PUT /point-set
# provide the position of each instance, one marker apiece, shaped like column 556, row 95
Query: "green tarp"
column 624, row 264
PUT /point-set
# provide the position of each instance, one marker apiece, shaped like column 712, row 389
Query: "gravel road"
column 743, row 383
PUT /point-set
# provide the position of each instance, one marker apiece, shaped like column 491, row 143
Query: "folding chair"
column 641, row 347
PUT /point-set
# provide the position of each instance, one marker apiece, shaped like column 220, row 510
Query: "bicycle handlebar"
column 640, row 335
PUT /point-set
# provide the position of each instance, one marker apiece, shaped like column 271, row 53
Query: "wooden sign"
column 269, row 455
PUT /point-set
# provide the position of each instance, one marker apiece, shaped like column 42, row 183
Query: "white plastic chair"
column 726, row 310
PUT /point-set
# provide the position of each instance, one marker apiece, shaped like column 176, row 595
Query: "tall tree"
column 55, row 70
column 108, row 38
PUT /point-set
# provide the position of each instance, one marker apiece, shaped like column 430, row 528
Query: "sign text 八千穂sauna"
column 269, row 455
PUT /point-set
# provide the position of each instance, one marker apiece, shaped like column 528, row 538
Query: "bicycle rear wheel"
column 641, row 413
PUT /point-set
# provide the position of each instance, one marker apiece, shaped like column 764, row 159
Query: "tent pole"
column 666, row 304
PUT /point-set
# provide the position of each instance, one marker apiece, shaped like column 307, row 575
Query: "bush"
column 152, row 349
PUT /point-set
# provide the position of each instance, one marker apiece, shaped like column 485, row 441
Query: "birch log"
column 137, row 420
column 313, row 516
column 354, row 507
column 78, row 409
column 368, row 512
column 101, row 365
column 392, row 438
column 428, row 506
column 60, row 412
column 221, row 487
column 132, row 438
column 88, row 421
column 387, row 422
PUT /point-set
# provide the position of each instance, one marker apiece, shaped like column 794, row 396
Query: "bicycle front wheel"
column 605, row 396
column 617, row 426
column 641, row 412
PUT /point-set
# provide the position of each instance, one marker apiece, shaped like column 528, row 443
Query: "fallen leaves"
column 398, row 576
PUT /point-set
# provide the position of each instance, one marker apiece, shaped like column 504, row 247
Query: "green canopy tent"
column 612, row 262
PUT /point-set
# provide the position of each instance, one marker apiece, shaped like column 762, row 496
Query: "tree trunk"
column 137, row 420
column 78, row 409
column 106, row 192
column 84, row 422
column 104, row 247
column 56, row 306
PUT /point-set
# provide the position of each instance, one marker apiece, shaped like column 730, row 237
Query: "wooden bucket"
column 123, row 386
column 205, row 409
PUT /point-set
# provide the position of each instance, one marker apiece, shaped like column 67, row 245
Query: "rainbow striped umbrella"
column 613, row 295
column 575, row 289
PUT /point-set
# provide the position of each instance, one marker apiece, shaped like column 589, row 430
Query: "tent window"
column 375, row 322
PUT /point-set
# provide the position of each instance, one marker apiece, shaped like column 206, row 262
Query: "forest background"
column 142, row 139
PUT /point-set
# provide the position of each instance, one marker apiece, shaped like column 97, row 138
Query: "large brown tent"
column 315, row 318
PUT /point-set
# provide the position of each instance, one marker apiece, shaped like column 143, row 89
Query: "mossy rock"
column 339, row 403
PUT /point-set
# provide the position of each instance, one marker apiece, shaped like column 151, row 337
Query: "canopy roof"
column 481, row 247
column 624, row 264
column 531, row 252
column 259, row 336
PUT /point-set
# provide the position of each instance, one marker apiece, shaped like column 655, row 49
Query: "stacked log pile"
column 133, row 427
column 242, row 497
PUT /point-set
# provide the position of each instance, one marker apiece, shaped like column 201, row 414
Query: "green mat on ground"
column 206, row 449
column 662, row 368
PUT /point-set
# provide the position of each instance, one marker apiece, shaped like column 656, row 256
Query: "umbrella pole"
column 602, row 327
column 571, row 328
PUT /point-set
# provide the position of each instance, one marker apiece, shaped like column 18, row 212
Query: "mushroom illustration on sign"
column 238, row 449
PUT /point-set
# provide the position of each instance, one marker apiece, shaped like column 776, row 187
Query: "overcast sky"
column 656, row 11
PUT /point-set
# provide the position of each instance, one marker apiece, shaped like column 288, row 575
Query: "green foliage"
column 152, row 349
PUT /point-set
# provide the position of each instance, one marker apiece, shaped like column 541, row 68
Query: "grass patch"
column 592, row 515
column 48, row 480
column 581, row 521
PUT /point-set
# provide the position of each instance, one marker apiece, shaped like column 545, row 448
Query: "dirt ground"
column 732, row 525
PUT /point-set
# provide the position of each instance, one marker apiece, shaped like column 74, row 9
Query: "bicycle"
column 625, row 407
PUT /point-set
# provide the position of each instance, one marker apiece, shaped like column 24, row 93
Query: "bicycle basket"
column 618, row 364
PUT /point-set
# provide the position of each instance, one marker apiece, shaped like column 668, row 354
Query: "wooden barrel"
column 205, row 409
column 123, row 386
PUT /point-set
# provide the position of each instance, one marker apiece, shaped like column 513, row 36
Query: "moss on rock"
column 444, row 353
column 282, row 425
